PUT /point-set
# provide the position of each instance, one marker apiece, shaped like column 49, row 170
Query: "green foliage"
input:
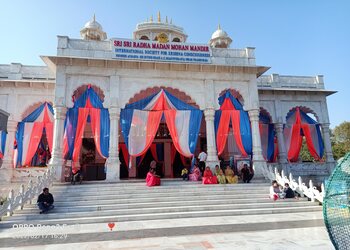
column 341, row 133
column 340, row 138
column 304, row 152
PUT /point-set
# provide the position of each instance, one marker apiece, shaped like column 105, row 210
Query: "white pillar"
column 282, row 152
column 113, row 163
column 57, row 161
column 327, row 142
column 6, row 170
column 258, row 159
column 212, row 156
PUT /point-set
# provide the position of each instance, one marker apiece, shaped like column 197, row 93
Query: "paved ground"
column 297, row 238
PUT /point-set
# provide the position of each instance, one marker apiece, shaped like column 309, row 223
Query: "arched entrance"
column 86, row 137
column 34, row 136
column 302, row 127
column 233, row 130
column 268, row 136
column 153, row 124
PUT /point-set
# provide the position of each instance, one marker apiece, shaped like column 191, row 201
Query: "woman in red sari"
column 152, row 179
column 208, row 177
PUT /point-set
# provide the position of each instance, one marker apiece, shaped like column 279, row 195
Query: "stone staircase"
column 82, row 212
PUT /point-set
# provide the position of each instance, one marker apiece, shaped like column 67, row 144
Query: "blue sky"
column 292, row 37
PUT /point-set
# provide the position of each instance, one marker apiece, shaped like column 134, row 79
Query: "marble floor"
column 298, row 238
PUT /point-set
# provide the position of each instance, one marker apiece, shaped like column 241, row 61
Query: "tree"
column 340, row 138
column 341, row 133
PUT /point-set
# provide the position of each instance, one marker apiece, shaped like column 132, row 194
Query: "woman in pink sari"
column 152, row 179
column 195, row 175
column 208, row 177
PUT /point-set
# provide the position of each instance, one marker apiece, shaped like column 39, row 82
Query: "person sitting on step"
column 184, row 174
column 217, row 170
column 208, row 177
column 152, row 179
column 230, row 176
column 221, row 177
column 195, row 175
column 77, row 175
column 247, row 173
column 288, row 191
column 276, row 191
column 45, row 201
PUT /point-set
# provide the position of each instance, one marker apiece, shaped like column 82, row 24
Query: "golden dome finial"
column 159, row 20
column 219, row 27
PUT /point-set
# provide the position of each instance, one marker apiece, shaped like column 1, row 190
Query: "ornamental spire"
column 159, row 19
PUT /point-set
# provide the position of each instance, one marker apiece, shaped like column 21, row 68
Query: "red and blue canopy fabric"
column 231, row 114
column 267, row 135
column 88, row 108
column 2, row 143
column 29, row 132
column 140, row 121
column 299, row 124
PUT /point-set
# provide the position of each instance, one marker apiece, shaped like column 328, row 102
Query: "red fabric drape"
column 153, row 121
column 82, row 120
column 95, row 127
column 35, row 138
column 309, row 143
column 154, row 152
column 170, row 116
column 49, row 134
column 296, row 139
column 227, row 105
column 183, row 160
column 223, row 129
column 235, row 119
column 125, row 153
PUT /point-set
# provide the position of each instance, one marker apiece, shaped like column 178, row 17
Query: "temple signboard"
column 154, row 51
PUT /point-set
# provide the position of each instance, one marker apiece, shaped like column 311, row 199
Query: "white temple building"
column 158, row 57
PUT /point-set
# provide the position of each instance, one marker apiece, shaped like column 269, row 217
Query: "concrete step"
column 46, row 220
column 65, row 207
column 179, row 207
column 144, row 188
column 151, row 193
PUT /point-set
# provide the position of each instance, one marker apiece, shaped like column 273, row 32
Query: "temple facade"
column 158, row 57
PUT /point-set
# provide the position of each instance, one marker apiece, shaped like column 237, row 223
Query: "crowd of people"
column 201, row 172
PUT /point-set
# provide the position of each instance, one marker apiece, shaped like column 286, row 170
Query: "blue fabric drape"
column 3, row 135
column 234, row 101
column 217, row 118
column 246, row 133
column 141, row 104
column 71, row 128
column 125, row 121
column 35, row 114
column 19, row 139
column 92, row 95
column 179, row 105
column 104, row 132
column 271, row 143
column 195, row 124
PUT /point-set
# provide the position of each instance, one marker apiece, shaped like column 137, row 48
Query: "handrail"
column 26, row 194
column 297, row 185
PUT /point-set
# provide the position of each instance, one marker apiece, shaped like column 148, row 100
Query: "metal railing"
column 298, row 186
column 26, row 193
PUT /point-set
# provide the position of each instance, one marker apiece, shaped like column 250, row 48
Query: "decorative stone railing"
column 26, row 194
column 298, row 186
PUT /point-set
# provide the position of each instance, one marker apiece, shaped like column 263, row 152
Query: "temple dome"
column 93, row 31
column 159, row 30
column 220, row 39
